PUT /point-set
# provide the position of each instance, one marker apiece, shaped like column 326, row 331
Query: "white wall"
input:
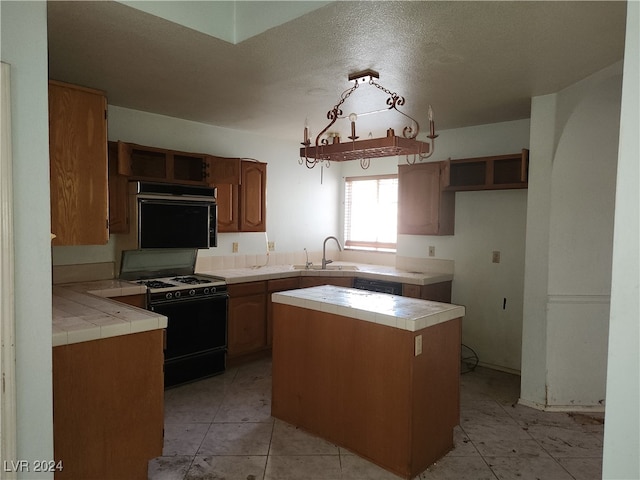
column 574, row 139
column 24, row 47
column 485, row 221
column 621, row 458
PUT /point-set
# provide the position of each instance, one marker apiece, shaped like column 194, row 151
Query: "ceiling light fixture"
column 365, row 150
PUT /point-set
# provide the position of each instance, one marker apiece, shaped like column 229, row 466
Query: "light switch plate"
column 418, row 345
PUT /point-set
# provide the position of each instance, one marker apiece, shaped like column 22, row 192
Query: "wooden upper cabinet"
column 224, row 170
column 138, row 162
column 227, row 196
column 241, row 184
column 242, row 207
column 118, row 194
column 423, row 207
column 78, row 165
column 253, row 190
column 498, row 172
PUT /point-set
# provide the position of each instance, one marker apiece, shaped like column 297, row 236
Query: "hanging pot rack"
column 364, row 150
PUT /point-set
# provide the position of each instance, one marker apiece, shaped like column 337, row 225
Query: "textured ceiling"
column 475, row 62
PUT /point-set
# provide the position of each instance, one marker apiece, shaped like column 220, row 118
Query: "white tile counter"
column 82, row 312
column 335, row 269
column 392, row 310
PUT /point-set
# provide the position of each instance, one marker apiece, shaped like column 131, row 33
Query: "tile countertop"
column 391, row 310
column 377, row 272
column 83, row 312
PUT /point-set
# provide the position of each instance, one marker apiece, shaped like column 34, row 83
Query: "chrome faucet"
column 324, row 250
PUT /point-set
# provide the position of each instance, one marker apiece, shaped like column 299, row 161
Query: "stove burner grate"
column 191, row 280
column 155, row 284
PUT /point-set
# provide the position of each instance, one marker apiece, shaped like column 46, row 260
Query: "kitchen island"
column 374, row 373
column 108, row 388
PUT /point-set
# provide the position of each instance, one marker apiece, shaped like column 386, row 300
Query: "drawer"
column 249, row 288
column 281, row 284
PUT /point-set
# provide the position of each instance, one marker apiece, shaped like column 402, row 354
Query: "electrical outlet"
column 432, row 251
column 271, row 246
column 495, row 258
column 234, row 247
column 418, row 345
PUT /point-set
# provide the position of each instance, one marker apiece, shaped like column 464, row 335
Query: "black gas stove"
column 167, row 289
column 195, row 306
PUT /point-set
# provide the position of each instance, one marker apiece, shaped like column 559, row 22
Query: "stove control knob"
column 192, row 292
column 177, row 294
column 206, row 291
column 168, row 296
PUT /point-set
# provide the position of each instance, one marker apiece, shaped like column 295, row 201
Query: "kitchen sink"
column 328, row 267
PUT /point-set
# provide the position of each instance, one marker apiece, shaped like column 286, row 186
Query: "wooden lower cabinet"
column 250, row 321
column 247, row 322
column 436, row 292
column 108, row 406
column 118, row 194
column 139, row 300
column 360, row 385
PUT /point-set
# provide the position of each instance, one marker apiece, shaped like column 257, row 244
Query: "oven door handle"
column 216, row 296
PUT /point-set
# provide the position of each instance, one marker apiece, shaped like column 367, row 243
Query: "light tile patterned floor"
column 221, row 428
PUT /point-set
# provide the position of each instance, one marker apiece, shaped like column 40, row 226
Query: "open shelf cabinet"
column 488, row 173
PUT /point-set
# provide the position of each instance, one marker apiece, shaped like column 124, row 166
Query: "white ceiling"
column 475, row 62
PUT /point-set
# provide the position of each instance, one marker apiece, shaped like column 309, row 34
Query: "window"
column 371, row 212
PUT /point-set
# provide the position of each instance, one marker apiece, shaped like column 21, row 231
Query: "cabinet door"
column 136, row 300
column 247, row 324
column 436, row 292
column 489, row 173
column 91, row 410
column 118, row 194
column 78, row 165
column 409, row 290
column 145, row 163
column 189, row 168
column 253, row 197
column 423, row 207
column 227, row 200
column 223, row 170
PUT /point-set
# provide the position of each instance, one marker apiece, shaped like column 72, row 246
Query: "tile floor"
column 221, row 428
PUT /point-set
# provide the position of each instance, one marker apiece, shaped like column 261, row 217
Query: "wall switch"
column 271, row 246
column 234, row 247
column 418, row 345
column 432, row 251
column 495, row 258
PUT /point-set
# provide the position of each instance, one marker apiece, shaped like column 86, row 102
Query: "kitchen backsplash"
column 84, row 272
column 106, row 270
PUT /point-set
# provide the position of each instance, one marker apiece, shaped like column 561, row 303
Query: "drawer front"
column 281, row 284
column 249, row 288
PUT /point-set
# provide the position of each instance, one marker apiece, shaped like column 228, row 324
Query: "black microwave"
column 175, row 216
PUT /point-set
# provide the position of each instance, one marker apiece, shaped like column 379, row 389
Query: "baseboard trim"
column 562, row 408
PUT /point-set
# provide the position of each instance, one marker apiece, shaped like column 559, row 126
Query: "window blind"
column 371, row 212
